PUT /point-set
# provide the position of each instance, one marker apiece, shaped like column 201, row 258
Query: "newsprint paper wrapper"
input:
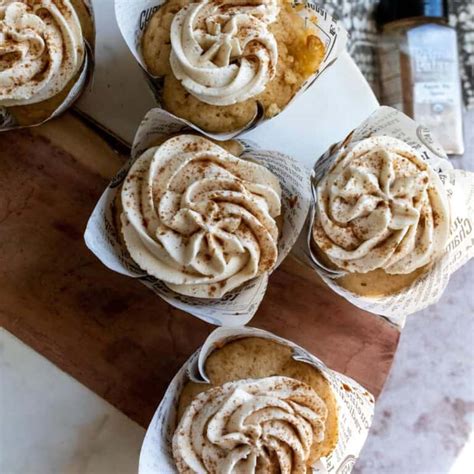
column 355, row 408
column 134, row 15
column 460, row 188
column 7, row 117
column 237, row 307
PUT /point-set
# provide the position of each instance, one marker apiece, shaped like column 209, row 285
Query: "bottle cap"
column 393, row 10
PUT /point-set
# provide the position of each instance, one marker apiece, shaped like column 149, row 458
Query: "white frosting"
column 381, row 206
column 224, row 53
column 41, row 49
column 249, row 426
column 198, row 218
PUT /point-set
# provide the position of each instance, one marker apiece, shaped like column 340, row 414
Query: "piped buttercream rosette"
column 41, row 49
column 224, row 53
column 381, row 206
column 249, row 426
column 198, row 218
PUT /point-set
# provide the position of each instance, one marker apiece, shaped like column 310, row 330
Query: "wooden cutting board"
column 109, row 331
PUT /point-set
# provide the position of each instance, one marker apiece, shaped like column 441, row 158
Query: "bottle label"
column 436, row 84
column 419, row 74
column 436, row 93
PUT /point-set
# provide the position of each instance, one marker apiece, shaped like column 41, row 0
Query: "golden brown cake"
column 266, row 59
column 34, row 85
column 383, row 217
column 260, row 368
column 373, row 284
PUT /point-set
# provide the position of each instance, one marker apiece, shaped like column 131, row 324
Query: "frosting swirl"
column 198, row 218
column 381, row 206
column 248, row 426
column 223, row 52
column 41, row 49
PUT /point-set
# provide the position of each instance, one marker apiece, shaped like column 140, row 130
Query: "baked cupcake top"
column 42, row 49
column 198, row 218
column 259, row 425
column 381, row 206
column 224, row 64
column 223, row 52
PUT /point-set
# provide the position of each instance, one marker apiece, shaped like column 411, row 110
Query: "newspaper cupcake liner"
column 355, row 407
column 8, row 121
column 460, row 189
column 237, row 307
column 133, row 16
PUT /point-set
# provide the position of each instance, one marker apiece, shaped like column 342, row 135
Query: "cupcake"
column 225, row 62
column 43, row 55
column 198, row 218
column 382, row 217
column 262, row 411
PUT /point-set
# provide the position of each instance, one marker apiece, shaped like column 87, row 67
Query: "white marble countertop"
column 51, row 424
column 424, row 418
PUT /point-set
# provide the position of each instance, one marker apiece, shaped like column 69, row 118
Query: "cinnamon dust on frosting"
column 381, row 207
column 249, row 426
column 41, row 49
column 223, row 52
column 200, row 219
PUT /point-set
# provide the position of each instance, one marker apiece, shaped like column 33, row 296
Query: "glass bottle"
column 419, row 67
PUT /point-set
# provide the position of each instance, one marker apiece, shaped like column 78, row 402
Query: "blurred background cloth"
column 358, row 17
